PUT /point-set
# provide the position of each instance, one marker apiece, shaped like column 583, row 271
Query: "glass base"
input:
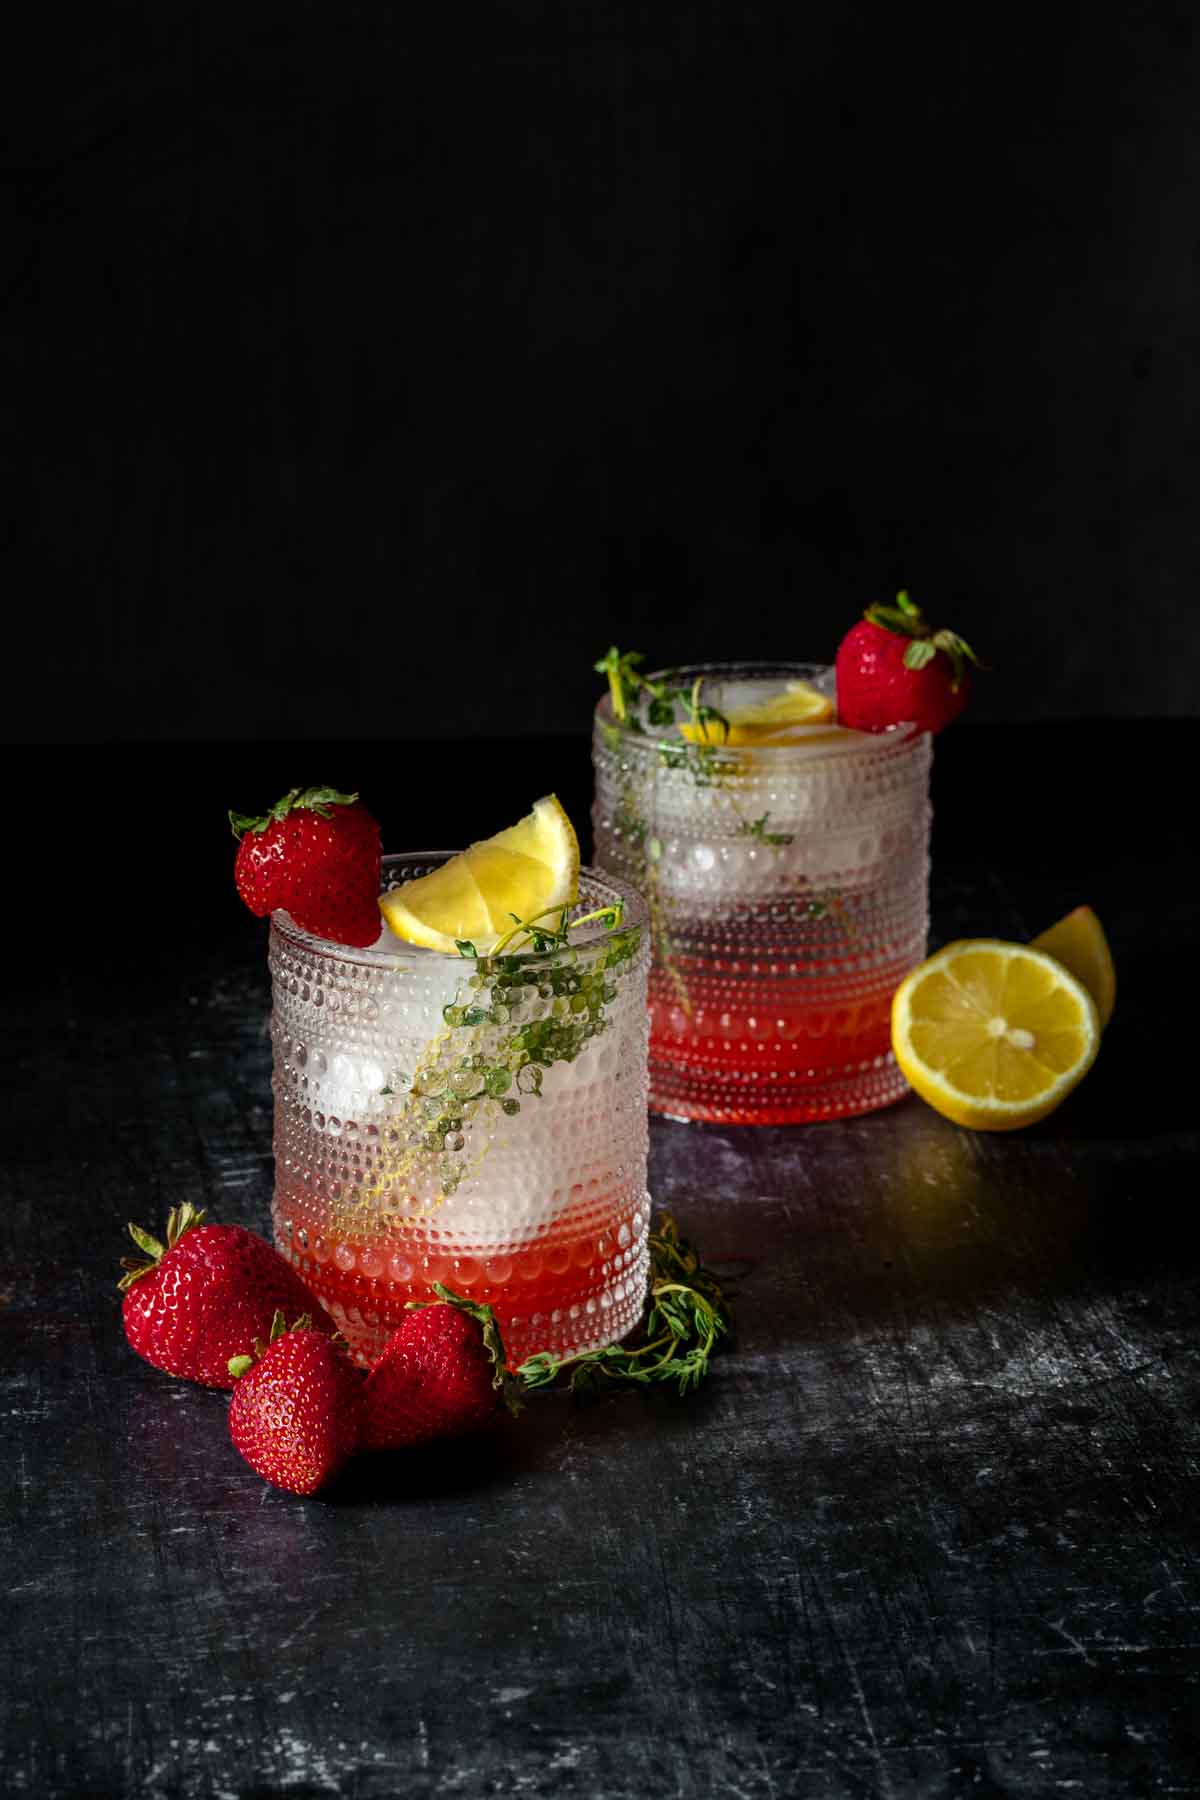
column 564, row 1310
column 717, row 1096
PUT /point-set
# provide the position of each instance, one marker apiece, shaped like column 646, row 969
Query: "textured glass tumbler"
column 787, row 888
column 476, row 1123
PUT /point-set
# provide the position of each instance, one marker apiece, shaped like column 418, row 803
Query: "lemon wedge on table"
column 521, row 872
column 1079, row 942
column 994, row 1035
column 767, row 720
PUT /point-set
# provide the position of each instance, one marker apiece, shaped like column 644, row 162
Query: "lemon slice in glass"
column 993, row 1035
column 520, row 873
column 1078, row 940
column 766, row 721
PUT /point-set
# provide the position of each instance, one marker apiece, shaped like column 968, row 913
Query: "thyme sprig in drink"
column 784, row 860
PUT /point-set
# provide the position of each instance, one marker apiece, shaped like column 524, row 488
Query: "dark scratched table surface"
column 930, row 1529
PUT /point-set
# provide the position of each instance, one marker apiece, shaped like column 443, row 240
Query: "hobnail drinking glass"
column 476, row 1123
column 787, row 891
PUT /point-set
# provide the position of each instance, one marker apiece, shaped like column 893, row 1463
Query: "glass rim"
column 635, row 914
column 860, row 743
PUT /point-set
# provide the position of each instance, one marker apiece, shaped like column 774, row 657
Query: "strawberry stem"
column 238, row 1365
column 506, row 1385
column 180, row 1219
column 907, row 620
column 320, row 800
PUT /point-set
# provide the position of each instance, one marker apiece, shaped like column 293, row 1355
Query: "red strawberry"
column 196, row 1301
column 439, row 1375
column 893, row 668
column 316, row 854
column 295, row 1411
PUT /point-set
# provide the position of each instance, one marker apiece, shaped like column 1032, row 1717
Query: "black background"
column 376, row 366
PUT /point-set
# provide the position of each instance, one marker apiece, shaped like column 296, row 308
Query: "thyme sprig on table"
column 688, row 1313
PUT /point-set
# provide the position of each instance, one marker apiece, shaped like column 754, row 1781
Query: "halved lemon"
column 1079, row 942
column 768, row 720
column 520, row 873
column 993, row 1035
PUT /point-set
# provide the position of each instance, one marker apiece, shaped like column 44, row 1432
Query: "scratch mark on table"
column 864, row 1710
column 1059, row 1626
column 287, row 1642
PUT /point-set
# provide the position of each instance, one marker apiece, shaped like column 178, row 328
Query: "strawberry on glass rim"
column 316, row 855
column 894, row 669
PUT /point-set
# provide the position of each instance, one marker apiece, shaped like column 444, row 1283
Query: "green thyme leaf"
column 688, row 1313
column 757, row 828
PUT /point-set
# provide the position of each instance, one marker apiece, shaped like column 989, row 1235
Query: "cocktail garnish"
column 527, row 870
column 797, row 707
column 757, row 828
column 577, row 994
column 663, row 697
column 894, row 669
column 513, row 1018
column 315, row 855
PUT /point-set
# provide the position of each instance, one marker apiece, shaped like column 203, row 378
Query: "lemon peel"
column 1079, row 943
column 522, row 872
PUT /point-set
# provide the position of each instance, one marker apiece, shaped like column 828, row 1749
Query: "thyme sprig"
column 511, row 1020
column 544, row 938
column 499, row 992
column 757, row 828
column 701, row 755
column 663, row 697
column 688, row 1313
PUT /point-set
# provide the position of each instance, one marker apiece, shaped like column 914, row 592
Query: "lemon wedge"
column 520, row 873
column 1078, row 941
column 768, row 720
column 993, row 1035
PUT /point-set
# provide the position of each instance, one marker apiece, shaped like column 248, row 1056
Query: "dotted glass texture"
column 546, row 1215
column 787, row 887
